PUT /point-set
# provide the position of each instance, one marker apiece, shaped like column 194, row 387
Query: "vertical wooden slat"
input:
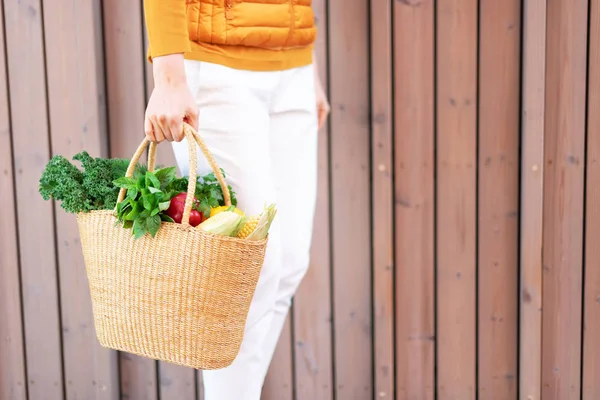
column 414, row 198
column 312, row 305
column 77, row 122
column 12, row 378
column 498, row 198
column 279, row 384
column 564, row 198
column 532, row 196
column 350, row 197
column 176, row 382
column 31, row 148
column 591, row 345
column 126, row 104
column 382, row 196
column 456, row 197
column 125, row 75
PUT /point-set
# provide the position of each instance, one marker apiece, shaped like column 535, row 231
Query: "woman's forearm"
column 169, row 70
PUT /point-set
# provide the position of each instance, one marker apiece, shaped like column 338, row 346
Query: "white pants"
column 262, row 130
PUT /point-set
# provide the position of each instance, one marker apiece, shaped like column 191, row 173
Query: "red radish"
column 175, row 210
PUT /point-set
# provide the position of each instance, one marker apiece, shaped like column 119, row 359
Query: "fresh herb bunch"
column 83, row 190
column 147, row 196
column 208, row 192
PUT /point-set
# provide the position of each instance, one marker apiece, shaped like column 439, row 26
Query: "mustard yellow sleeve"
column 166, row 23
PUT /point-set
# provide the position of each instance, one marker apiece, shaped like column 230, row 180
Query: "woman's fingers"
column 323, row 112
column 159, row 135
column 149, row 129
column 191, row 114
column 165, row 122
column 176, row 128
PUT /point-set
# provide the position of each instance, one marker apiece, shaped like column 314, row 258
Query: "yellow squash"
column 217, row 210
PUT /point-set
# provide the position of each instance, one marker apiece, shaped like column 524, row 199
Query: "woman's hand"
column 322, row 102
column 171, row 102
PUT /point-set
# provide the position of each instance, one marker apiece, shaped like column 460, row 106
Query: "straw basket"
column 182, row 296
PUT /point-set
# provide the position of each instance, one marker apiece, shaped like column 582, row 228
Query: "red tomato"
column 175, row 210
column 195, row 218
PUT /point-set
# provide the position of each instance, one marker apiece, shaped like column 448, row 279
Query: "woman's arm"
column 171, row 101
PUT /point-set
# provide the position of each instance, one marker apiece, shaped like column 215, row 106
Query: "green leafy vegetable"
column 83, row 190
column 96, row 186
column 208, row 192
column 147, row 196
column 63, row 182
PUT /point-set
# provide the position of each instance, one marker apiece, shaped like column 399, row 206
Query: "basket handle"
column 192, row 137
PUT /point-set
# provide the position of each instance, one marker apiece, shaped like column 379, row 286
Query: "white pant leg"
column 234, row 122
column 294, row 155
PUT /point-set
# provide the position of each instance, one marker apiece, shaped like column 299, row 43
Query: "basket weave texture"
column 182, row 296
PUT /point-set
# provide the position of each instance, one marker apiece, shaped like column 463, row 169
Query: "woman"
column 243, row 74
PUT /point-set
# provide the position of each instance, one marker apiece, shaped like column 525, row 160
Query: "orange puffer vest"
column 268, row 24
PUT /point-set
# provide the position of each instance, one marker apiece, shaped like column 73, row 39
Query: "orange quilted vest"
column 268, row 24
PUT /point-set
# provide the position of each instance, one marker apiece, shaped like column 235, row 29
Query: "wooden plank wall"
column 455, row 253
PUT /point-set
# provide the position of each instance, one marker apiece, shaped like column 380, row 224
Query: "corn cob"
column 248, row 227
column 225, row 223
column 257, row 227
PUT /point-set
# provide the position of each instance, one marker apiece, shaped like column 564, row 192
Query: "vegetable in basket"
column 147, row 197
column 226, row 223
column 257, row 227
column 230, row 221
column 151, row 197
column 175, row 210
column 88, row 189
column 216, row 210
column 161, row 196
column 208, row 192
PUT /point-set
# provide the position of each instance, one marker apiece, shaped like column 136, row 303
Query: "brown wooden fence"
column 457, row 242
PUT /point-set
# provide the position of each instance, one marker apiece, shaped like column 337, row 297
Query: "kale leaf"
column 90, row 188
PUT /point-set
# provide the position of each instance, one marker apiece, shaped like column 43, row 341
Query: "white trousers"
column 261, row 128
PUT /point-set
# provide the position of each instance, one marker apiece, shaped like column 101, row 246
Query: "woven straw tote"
column 182, row 296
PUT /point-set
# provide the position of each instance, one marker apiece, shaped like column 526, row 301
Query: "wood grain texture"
column 395, row 200
column 312, row 303
column 176, row 382
column 31, row 150
column 456, row 197
column 532, row 197
column 382, row 198
column 498, row 198
column 124, row 58
column 414, row 199
column 124, row 55
column 350, row 197
column 138, row 377
column 591, row 325
column 77, row 122
column 279, row 383
column 566, row 64
column 12, row 350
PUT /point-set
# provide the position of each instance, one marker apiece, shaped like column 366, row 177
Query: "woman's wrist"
column 169, row 70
